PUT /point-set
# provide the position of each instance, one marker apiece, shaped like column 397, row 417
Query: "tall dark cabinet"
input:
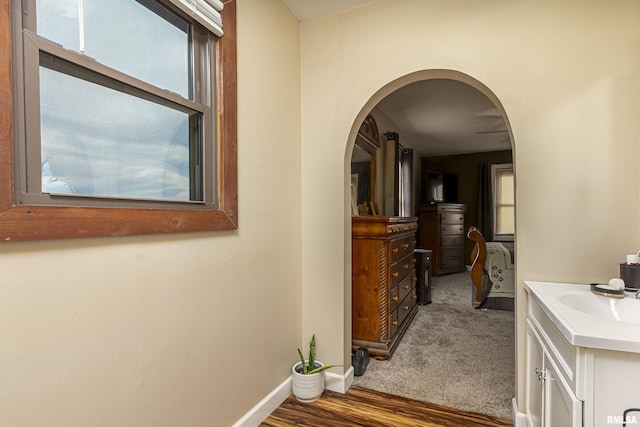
column 441, row 229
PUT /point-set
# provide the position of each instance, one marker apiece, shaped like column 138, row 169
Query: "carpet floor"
column 452, row 354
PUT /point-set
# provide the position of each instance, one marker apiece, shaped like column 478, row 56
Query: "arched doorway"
column 432, row 76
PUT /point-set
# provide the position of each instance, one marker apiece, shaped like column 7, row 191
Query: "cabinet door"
column 534, row 379
column 561, row 406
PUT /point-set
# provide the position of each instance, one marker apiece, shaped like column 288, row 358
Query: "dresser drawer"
column 452, row 252
column 400, row 269
column 451, row 207
column 452, row 218
column 402, row 246
column 404, row 308
column 393, row 322
column 404, row 288
column 452, row 229
column 451, row 241
column 448, row 263
column 394, row 298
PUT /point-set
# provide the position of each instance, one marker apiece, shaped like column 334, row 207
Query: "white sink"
column 625, row 310
column 589, row 320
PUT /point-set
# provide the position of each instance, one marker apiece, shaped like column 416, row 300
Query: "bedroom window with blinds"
column 503, row 201
column 116, row 106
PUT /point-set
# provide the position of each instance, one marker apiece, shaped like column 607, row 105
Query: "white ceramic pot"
column 307, row 388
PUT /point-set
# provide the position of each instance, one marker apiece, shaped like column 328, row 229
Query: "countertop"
column 579, row 328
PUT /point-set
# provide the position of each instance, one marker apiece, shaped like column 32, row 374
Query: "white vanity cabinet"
column 534, row 380
column 550, row 401
column 575, row 384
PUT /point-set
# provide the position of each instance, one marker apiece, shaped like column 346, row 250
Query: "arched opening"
column 446, row 151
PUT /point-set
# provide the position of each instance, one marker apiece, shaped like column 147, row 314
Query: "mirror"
column 363, row 169
column 398, row 197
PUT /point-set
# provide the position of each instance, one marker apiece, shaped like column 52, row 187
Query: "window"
column 503, row 201
column 120, row 124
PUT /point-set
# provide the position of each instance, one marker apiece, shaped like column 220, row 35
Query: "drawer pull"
column 405, row 287
column 395, row 323
column 395, row 250
column 395, row 275
column 405, row 307
column 405, row 246
column 405, row 266
column 395, row 298
column 413, row 297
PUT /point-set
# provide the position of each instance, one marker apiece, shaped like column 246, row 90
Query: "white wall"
column 567, row 75
column 174, row 330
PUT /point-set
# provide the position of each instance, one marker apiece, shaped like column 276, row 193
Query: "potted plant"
column 308, row 375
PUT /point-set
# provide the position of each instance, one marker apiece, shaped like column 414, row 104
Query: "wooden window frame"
column 499, row 237
column 19, row 222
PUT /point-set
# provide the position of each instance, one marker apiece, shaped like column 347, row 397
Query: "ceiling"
column 434, row 117
column 445, row 117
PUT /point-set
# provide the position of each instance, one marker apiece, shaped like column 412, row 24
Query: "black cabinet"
column 423, row 275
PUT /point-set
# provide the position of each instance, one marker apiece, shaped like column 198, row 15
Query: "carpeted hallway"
column 452, row 354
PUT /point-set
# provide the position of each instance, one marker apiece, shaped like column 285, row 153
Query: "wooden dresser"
column 441, row 229
column 383, row 281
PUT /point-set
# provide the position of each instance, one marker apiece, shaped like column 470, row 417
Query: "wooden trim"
column 368, row 137
column 6, row 110
column 24, row 222
column 478, row 257
column 228, row 116
column 383, row 289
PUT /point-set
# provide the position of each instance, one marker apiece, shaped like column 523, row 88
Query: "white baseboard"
column 257, row 414
column 266, row 406
column 339, row 383
column 519, row 418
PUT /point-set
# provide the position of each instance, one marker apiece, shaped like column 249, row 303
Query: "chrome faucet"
column 634, row 291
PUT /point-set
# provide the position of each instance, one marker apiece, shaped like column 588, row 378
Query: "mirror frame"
column 368, row 139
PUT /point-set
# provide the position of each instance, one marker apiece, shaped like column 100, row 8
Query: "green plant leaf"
column 320, row 369
column 312, row 352
column 304, row 367
column 309, row 365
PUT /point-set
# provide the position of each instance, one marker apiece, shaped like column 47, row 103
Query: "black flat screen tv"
column 441, row 187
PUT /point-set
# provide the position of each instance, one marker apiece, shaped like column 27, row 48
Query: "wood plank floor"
column 362, row 407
